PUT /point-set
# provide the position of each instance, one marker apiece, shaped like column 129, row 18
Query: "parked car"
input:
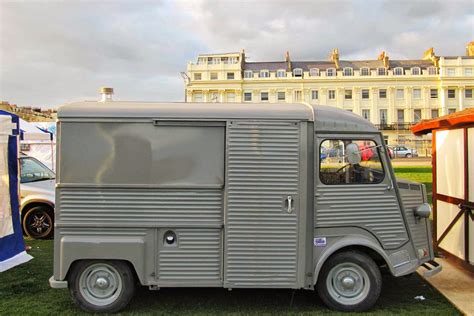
column 404, row 152
column 37, row 198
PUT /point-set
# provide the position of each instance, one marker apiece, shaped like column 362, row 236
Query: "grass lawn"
column 420, row 174
column 24, row 290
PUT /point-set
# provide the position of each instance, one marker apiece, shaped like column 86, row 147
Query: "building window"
column 202, row 61
column 468, row 93
column 230, row 60
column 247, row 96
column 281, row 95
column 432, row 70
column 417, row 115
column 383, row 116
column 298, row 95
column 400, row 116
column 451, row 110
column 331, row 72
column 348, row 94
column 365, row 94
column 213, row 75
column 215, row 61
column 331, row 94
column 197, row 97
column 451, row 72
column 468, row 72
column 230, row 76
column 264, row 96
column 398, row 71
column 416, row 71
column 197, row 76
column 314, row 72
column 451, row 94
column 365, row 71
column 417, row 94
column 281, row 73
column 298, row 72
column 433, row 93
column 434, row 113
column 264, row 74
column 347, row 72
column 230, row 97
column 381, row 71
column 314, row 94
column 248, row 74
column 366, row 114
column 382, row 93
column 400, row 93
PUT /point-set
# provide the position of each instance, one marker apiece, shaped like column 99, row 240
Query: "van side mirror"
column 353, row 154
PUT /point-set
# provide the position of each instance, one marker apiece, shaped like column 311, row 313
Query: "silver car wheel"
column 348, row 283
column 100, row 284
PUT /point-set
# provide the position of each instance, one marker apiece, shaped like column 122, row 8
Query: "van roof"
column 326, row 118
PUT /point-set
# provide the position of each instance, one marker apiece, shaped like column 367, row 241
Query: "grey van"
column 233, row 196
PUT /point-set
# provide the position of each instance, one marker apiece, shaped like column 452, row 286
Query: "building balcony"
column 394, row 126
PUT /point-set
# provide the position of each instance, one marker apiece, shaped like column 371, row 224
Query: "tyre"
column 349, row 281
column 38, row 222
column 408, row 156
column 101, row 286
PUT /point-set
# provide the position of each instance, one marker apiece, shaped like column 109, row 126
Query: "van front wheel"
column 349, row 281
column 101, row 286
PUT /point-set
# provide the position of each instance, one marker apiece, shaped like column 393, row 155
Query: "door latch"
column 289, row 200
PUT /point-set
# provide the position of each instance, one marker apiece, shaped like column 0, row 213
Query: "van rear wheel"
column 98, row 286
column 349, row 281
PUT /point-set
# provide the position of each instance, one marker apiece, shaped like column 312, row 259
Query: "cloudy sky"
column 53, row 52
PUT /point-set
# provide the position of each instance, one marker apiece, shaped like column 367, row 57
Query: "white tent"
column 37, row 142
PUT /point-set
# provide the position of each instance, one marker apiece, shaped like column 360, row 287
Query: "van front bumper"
column 57, row 284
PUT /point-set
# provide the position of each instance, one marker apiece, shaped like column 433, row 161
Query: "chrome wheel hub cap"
column 100, row 284
column 348, row 283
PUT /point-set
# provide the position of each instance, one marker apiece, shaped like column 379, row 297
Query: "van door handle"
column 289, row 200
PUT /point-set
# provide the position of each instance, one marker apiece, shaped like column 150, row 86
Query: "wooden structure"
column 453, row 183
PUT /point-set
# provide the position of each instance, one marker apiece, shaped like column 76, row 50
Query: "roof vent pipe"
column 106, row 94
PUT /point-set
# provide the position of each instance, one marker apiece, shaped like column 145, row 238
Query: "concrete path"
column 456, row 284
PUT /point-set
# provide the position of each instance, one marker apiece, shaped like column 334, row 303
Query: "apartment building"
column 393, row 94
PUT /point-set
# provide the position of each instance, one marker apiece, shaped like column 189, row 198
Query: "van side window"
column 334, row 167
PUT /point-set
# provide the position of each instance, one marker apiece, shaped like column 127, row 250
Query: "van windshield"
column 335, row 168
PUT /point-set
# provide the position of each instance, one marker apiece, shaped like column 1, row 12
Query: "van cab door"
column 359, row 195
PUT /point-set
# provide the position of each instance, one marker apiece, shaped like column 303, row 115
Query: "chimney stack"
column 106, row 94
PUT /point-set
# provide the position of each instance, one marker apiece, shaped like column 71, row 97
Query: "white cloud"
column 53, row 52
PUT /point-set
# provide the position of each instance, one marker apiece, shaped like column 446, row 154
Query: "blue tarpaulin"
column 12, row 246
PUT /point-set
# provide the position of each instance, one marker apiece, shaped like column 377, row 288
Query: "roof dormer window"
column 248, row 74
column 416, row 71
column 381, row 71
column 398, row 71
column 432, row 70
column 364, row 71
column 347, row 72
column 331, row 72
column 297, row 72
column 281, row 73
column 314, row 72
column 264, row 74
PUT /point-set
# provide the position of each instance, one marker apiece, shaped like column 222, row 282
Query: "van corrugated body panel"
column 196, row 256
column 366, row 206
column 261, row 237
column 139, row 206
column 411, row 200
